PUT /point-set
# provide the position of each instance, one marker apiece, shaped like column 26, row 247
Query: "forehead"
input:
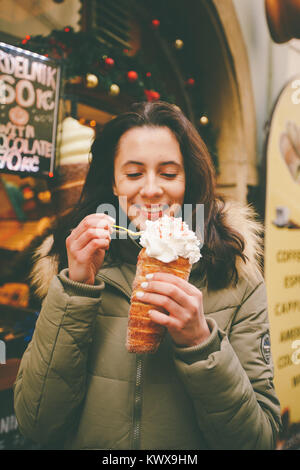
column 146, row 142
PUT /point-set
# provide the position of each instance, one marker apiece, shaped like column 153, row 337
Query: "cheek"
column 177, row 190
column 124, row 187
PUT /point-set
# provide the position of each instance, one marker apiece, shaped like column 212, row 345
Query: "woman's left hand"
column 183, row 303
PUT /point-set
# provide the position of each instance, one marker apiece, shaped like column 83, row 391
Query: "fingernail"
column 139, row 293
column 144, row 285
column 149, row 276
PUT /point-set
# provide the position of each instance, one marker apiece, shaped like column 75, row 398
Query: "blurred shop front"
column 67, row 68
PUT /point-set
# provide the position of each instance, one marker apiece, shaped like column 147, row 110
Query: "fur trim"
column 242, row 218
column 44, row 268
column 239, row 217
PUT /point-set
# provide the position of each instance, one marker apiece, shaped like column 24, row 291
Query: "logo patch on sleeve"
column 265, row 347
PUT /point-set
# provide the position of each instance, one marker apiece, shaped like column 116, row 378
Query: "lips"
column 152, row 211
column 153, row 208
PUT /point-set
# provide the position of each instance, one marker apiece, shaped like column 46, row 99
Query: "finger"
column 88, row 235
column 186, row 286
column 164, row 320
column 92, row 221
column 89, row 250
column 163, row 301
column 168, row 289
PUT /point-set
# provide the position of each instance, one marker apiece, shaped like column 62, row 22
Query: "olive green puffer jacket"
column 77, row 384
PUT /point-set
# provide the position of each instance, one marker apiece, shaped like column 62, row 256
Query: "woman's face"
column 149, row 177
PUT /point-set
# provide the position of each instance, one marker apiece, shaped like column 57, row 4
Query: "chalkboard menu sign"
column 29, row 97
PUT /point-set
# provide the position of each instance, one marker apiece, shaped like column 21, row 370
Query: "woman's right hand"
column 86, row 246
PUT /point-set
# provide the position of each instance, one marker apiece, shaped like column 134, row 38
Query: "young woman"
column 210, row 384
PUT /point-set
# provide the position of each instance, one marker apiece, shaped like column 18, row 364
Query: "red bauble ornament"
column 148, row 95
column 132, row 76
column 155, row 24
column 148, row 74
column 190, row 82
column 152, row 95
column 155, row 95
column 109, row 62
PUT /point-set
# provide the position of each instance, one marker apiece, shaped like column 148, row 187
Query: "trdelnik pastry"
column 168, row 246
column 169, row 238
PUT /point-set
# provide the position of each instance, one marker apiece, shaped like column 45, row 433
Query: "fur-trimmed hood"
column 241, row 218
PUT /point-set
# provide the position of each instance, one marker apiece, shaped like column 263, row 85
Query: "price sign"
column 29, row 96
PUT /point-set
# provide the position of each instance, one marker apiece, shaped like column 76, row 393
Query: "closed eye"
column 167, row 175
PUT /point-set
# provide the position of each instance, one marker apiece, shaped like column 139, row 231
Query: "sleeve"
column 51, row 380
column 230, row 380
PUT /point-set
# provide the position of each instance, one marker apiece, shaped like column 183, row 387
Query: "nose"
column 152, row 187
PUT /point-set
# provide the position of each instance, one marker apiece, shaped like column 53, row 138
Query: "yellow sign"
column 282, row 245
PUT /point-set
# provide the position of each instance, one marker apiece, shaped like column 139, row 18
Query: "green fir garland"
column 84, row 55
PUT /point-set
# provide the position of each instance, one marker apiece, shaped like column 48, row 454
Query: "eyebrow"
column 170, row 162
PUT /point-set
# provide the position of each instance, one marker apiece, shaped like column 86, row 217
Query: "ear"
column 114, row 189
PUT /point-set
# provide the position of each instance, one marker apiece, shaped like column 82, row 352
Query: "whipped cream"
column 168, row 238
column 74, row 142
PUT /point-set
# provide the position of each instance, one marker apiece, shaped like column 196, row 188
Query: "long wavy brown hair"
column 222, row 245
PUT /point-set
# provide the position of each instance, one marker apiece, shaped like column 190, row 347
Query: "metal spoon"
column 127, row 230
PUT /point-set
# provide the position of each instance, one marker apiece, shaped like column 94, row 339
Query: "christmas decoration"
column 190, row 82
column 204, row 120
column 116, row 70
column 155, row 24
column 178, row 44
column 109, row 62
column 114, row 89
column 155, row 95
column 91, row 80
column 132, row 76
column 152, row 95
column 75, row 80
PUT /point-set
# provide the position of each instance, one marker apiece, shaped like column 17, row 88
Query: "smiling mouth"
column 153, row 209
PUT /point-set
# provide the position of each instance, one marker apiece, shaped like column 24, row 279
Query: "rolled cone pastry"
column 143, row 335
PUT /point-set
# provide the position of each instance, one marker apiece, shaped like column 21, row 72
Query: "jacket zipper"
column 137, row 410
